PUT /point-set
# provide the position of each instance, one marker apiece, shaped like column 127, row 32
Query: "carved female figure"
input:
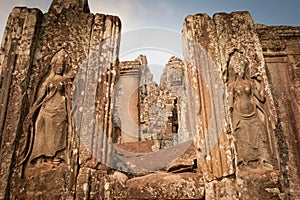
column 250, row 130
column 50, row 127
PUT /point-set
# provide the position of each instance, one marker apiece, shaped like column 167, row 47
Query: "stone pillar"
column 30, row 61
column 16, row 60
column 226, row 60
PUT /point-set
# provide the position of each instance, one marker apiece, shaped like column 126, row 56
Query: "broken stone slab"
column 181, row 166
column 144, row 163
column 167, row 186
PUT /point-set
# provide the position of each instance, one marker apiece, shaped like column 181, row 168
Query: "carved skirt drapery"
column 251, row 139
column 50, row 130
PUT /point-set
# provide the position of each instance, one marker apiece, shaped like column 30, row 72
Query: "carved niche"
column 250, row 123
column 46, row 125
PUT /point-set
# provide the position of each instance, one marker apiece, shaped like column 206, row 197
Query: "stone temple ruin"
column 78, row 123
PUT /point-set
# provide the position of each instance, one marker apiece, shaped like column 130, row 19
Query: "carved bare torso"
column 57, row 102
column 243, row 102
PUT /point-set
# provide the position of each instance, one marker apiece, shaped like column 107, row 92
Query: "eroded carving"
column 249, row 123
column 46, row 121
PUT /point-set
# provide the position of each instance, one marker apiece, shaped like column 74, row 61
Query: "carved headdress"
column 237, row 64
column 61, row 54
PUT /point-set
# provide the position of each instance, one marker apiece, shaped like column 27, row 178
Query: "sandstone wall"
column 127, row 101
column 281, row 50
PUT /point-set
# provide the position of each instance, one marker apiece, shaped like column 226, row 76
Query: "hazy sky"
column 165, row 17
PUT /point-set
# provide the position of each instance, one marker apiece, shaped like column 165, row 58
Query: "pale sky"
column 144, row 21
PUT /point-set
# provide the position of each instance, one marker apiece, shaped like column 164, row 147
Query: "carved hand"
column 71, row 73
